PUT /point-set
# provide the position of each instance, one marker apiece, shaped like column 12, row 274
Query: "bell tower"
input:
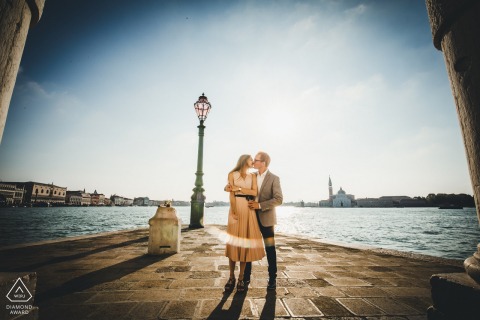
column 330, row 189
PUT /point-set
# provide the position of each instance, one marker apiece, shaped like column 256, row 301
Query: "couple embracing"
column 251, row 219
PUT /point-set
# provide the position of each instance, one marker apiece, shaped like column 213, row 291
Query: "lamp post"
column 202, row 107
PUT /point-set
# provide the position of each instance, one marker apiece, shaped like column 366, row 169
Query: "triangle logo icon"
column 19, row 292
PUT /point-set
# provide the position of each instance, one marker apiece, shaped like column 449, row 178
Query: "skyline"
column 355, row 91
column 187, row 200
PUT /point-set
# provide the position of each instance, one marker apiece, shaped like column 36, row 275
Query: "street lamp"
column 202, row 107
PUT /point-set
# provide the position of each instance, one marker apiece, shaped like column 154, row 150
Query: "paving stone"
column 330, row 307
column 329, row 291
column 301, row 308
column 292, row 282
column 192, row 283
column 179, row 310
column 113, row 278
column 146, row 310
column 233, row 308
column 301, row 292
column 205, row 274
column 299, row 275
column 116, row 296
column 270, row 307
column 108, row 311
column 346, row 282
column 377, row 281
column 202, row 293
column 363, row 291
column 391, row 306
column 419, row 304
column 407, row 292
column 317, row 283
column 62, row 312
column 360, row 307
column 153, row 284
column 156, row 295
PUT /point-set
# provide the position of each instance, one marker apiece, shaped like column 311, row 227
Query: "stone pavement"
column 110, row 276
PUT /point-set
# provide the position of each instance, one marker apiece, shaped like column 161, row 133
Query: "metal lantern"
column 202, row 107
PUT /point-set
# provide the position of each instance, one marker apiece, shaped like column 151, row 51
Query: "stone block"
column 455, row 296
column 165, row 232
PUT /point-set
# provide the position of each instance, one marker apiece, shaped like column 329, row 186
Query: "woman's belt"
column 249, row 197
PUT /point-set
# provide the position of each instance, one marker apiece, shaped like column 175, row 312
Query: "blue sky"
column 351, row 89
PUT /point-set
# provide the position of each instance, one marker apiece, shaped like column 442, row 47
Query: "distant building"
column 339, row 200
column 155, row 203
column 86, row 198
column 42, row 193
column 390, row 201
column 97, row 199
column 74, row 198
column 141, row 201
column 116, row 200
column 107, row 202
column 324, row 203
column 374, row 203
column 412, row 203
column 342, row 200
column 79, row 198
column 12, row 193
column 121, row 201
column 127, row 202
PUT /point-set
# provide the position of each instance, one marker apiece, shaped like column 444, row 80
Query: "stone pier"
column 111, row 276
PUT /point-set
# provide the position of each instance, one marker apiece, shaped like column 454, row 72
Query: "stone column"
column 16, row 17
column 456, row 32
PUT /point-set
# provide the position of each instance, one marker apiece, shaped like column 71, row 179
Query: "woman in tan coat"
column 244, row 239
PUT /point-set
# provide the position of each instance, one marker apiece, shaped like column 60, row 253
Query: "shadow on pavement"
column 97, row 277
column 268, row 311
column 233, row 312
column 34, row 251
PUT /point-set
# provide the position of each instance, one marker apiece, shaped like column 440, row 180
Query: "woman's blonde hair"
column 241, row 163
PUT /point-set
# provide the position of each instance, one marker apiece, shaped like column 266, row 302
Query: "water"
column 450, row 234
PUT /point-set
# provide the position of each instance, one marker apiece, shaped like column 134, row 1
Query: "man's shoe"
column 272, row 284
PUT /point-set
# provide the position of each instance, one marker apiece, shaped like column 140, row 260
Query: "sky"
column 352, row 90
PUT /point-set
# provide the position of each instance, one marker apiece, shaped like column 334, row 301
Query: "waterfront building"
column 141, row 201
column 12, row 193
column 116, row 200
column 155, row 203
column 325, row 203
column 342, row 200
column 121, row 201
column 42, row 193
column 107, row 202
column 74, row 198
column 97, row 199
column 374, row 203
column 390, row 201
column 339, row 200
column 86, row 198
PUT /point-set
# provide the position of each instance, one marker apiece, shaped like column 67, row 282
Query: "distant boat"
column 450, row 206
column 209, row 205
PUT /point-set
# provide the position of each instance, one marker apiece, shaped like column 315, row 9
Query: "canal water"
column 452, row 234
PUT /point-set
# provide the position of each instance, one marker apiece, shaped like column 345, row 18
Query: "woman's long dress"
column 244, row 239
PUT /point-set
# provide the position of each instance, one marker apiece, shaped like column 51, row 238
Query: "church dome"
column 341, row 191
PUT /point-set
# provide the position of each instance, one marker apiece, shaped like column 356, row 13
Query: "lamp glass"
column 202, row 107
